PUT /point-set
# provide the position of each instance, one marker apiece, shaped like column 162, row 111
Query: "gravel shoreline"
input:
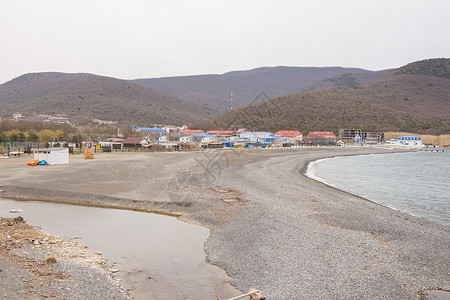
column 272, row 228
column 314, row 241
column 38, row 266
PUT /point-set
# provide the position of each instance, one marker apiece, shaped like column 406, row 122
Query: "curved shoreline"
column 304, row 172
column 241, row 222
column 324, row 208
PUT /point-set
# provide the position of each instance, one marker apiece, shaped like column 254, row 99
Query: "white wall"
column 55, row 156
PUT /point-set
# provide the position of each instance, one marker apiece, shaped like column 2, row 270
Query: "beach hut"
column 53, row 156
column 135, row 142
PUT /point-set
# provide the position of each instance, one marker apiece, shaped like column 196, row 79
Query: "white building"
column 163, row 139
column 250, row 135
column 186, row 139
column 53, row 156
column 112, row 145
column 406, row 141
column 209, row 139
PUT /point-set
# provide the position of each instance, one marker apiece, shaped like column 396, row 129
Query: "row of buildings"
column 180, row 137
column 218, row 139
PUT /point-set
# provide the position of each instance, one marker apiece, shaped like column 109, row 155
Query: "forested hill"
column 250, row 86
column 413, row 98
column 87, row 96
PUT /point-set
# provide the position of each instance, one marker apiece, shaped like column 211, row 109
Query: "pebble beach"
column 272, row 228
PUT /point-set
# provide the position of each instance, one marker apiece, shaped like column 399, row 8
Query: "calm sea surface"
column 417, row 183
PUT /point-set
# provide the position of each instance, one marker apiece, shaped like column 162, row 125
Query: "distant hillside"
column 414, row 98
column 213, row 91
column 347, row 80
column 87, row 96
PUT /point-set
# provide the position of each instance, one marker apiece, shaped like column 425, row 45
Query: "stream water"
column 158, row 256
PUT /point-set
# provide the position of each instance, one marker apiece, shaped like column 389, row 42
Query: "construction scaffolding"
column 350, row 136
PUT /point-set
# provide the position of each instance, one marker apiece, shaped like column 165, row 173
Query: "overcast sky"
column 142, row 39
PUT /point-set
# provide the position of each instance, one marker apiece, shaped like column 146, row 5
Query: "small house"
column 135, row 142
column 53, row 156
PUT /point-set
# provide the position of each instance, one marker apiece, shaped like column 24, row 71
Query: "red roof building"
column 322, row 133
column 191, row 131
column 221, row 132
column 116, row 140
column 288, row 133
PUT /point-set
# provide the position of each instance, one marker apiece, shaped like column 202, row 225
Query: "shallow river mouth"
column 158, row 257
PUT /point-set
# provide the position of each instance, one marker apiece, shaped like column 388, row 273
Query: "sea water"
column 417, row 183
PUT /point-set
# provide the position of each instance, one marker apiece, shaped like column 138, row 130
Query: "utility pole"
column 231, row 102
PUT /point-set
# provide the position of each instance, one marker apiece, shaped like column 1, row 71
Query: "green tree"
column 13, row 135
column 77, row 139
column 22, row 137
column 46, row 135
column 32, row 136
column 60, row 135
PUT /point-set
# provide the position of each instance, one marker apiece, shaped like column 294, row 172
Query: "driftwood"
column 253, row 293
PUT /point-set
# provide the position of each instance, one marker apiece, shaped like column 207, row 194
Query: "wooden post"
column 255, row 294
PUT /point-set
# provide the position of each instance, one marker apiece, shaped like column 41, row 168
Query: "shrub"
column 51, row 260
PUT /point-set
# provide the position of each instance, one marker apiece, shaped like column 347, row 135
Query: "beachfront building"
column 352, row 136
column 255, row 136
column 53, row 156
column 321, row 138
column 291, row 135
column 203, row 138
column 135, row 142
column 406, row 141
column 109, row 145
column 209, row 139
column 221, row 133
column 250, row 135
column 191, row 131
column 264, row 138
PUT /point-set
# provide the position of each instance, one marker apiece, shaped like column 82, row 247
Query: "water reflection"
column 157, row 255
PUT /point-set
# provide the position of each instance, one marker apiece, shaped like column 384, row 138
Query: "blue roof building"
column 149, row 129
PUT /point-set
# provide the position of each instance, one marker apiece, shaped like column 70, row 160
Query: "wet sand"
column 272, row 228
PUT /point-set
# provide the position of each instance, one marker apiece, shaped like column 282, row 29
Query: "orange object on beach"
column 34, row 162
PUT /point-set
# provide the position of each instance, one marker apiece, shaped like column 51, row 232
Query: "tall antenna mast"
column 231, row 101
